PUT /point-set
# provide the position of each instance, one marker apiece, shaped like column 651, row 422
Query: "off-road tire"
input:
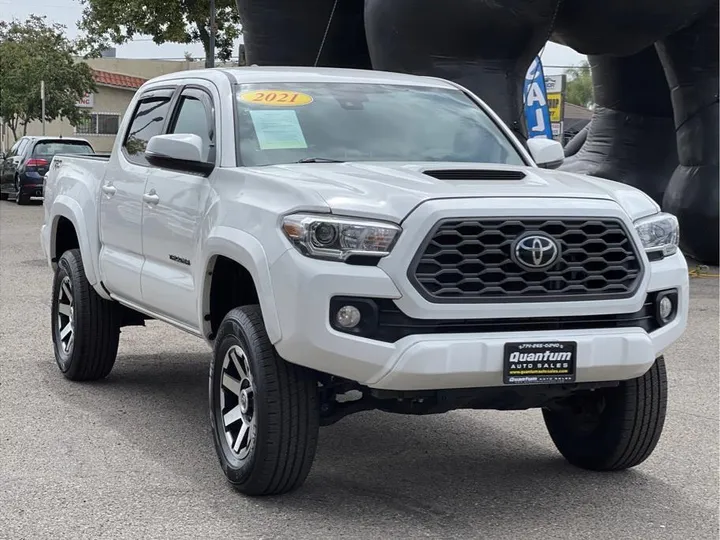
column 625, row 432
column 92, row 353
column 286, row 413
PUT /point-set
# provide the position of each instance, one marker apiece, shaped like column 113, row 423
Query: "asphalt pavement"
column 132, row 456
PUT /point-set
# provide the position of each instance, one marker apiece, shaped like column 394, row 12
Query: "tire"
column 623, row 429
column 3, row 196
column 88, row 351
column 19, row 198
column 279, row 420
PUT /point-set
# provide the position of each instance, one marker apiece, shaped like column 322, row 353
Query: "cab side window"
column 147, row 121
column 14, row 150
column 21, row 147
column 195, row 116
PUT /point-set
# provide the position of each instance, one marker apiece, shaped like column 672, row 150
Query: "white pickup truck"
column 350, row 240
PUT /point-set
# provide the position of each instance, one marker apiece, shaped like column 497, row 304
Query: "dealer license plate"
column 548, row 362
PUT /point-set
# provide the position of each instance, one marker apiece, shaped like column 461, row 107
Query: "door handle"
column 109, row 189
column 151, row 197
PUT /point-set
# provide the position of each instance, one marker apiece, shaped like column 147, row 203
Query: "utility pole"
column 211, row 48
column 42, row 99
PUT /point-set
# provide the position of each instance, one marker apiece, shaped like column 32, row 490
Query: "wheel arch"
column 67, row 214
column 233, row 247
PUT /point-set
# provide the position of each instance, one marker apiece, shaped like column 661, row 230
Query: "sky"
column 68, row 12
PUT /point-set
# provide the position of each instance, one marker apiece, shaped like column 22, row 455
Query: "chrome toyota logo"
column 536, row 251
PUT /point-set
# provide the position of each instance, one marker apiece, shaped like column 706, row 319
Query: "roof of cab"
column 278, row 74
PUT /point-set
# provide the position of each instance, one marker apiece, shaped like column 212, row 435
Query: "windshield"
column 287, row 123
column 48, row 149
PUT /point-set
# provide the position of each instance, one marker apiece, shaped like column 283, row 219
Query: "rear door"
column 121, row 198
column 171, row 225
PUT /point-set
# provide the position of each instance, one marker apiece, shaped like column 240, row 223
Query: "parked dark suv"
column 22, row 170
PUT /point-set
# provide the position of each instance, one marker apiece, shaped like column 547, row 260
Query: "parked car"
column 23, row 168
column 350, row 240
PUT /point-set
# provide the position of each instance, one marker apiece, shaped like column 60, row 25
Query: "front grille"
column 471, row 260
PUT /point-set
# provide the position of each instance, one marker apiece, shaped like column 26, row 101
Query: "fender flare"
column 246, row 250
column 69, row 209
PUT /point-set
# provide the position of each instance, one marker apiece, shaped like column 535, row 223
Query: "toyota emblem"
column 536, row 251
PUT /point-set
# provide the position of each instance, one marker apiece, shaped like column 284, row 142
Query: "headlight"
column 659, row 233
column 337, row 238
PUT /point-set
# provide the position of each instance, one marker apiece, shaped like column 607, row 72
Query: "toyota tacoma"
column 351, row 240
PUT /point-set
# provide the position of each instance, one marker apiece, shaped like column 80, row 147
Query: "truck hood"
column 390, row 191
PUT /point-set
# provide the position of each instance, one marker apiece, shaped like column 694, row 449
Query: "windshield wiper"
column 319, row 160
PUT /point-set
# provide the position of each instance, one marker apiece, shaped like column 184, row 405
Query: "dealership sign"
column 87, row 101
column 555, row 83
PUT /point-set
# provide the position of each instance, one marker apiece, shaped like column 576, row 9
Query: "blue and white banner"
column 537, row 114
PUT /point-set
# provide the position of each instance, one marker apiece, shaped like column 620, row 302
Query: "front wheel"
column 263, row 410
column 612, row 428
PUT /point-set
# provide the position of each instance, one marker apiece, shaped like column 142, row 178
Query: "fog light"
column 665, row 308
column 348, row 317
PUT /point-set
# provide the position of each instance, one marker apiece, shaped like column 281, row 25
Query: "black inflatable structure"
column 654, row 67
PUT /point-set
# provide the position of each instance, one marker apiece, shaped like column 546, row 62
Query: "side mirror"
column 178, row 151
column 547, row 153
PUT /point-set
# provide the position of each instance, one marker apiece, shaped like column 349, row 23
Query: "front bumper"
column 303, row 289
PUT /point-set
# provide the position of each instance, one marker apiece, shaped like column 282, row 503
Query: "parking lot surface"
column 132, row 456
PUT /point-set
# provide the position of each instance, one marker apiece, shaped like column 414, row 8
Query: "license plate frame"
column 548, row 362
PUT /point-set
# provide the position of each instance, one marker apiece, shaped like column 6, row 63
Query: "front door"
column 10, row 165
column 172, row 216
column 121, row 199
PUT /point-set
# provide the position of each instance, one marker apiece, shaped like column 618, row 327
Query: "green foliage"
column 579, row 85
column 32, row 51
column 105, row 22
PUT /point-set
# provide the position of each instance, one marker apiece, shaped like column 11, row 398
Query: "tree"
column 33, row 51
column 579, row 85
column 187, row 21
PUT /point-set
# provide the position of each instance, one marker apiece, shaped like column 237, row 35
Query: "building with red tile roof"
column 117, row 80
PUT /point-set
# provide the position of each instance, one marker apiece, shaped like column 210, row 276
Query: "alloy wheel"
column 66, row 316
column 237, row 402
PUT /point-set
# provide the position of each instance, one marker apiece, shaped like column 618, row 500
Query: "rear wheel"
column 19, row 197
column 85, row 327
column 612, row 428
column 263, row 410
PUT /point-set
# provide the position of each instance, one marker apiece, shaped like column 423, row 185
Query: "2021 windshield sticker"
column 278, row 130
column 276, row 98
